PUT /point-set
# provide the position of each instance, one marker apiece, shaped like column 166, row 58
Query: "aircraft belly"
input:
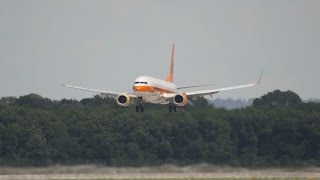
column 154, row 98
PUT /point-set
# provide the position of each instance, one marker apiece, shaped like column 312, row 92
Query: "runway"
column 91, row 172
column 84, row 176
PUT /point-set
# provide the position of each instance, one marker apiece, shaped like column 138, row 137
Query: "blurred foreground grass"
column 166, row 172
column 253, row 178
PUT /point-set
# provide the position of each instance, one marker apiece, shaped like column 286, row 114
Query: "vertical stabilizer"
column 169, row 77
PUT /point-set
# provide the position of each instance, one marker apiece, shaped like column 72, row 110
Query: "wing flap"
column 194, row 86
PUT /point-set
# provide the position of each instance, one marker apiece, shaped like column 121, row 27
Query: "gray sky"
column 107, row 44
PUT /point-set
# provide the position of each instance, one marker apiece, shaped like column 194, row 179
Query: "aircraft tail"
column 169, row 77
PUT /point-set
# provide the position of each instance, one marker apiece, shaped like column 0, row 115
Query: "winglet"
column 258, row 82
column 169, row 77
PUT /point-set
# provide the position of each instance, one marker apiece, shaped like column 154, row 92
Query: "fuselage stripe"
column 151, row 89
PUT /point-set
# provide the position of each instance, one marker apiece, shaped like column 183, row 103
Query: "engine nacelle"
column 124, row 100
column 180, row 99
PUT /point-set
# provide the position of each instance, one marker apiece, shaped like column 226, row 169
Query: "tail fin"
column 169, row 77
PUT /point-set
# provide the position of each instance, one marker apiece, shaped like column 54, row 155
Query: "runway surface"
column 161, row 176
column 165, row 172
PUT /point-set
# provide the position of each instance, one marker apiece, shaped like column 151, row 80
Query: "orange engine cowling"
column 124, row 100
column 180, row 99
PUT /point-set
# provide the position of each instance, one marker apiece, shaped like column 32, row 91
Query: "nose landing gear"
column 140, row 106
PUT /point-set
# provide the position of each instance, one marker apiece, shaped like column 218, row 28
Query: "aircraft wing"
column 208, row 92
column 102, row 92
column 215, row 91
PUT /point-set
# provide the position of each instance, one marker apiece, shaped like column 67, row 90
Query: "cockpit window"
column 141, row 82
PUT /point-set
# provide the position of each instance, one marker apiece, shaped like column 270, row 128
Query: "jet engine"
column 124, row 100
column 180, row 99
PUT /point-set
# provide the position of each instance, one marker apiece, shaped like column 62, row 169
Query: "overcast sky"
column 106, row 44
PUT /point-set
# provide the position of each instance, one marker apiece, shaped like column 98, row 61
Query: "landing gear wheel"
column 140, row 106
column 172, row 108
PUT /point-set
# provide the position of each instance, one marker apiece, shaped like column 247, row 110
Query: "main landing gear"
column 172, row 108
column 140, row 106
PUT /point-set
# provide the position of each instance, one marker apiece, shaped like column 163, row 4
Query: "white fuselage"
column 151, row 89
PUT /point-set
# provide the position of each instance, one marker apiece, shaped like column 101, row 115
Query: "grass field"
column 201, row 172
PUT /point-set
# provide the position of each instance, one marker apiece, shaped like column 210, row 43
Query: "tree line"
column 277, row 130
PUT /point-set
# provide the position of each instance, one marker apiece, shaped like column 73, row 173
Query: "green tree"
column 278, row 129
column 36, row 147
column 278, row 98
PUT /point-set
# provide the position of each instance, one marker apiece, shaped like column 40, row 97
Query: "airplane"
column 148, row 89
